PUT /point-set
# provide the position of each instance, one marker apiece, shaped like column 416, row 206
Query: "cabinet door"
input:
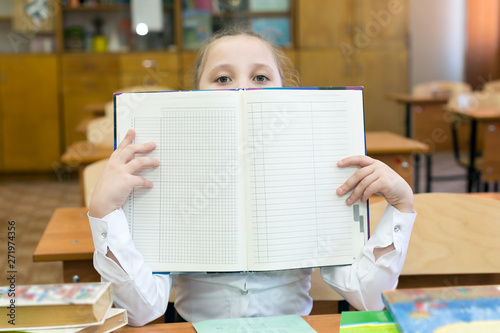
column 86, row 78
column 149, row 69
column 323, row 68
column 323, row 24
column 382, row 72
column 380, row 23
column 30, row 113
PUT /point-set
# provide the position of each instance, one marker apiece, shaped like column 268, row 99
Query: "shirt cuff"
column 394, row 227
column 111, row 231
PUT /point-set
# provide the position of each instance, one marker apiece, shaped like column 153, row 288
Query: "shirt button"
column 244, row 292
column 104, row 235
column 397, row 228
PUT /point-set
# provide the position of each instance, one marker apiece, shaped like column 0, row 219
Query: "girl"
column 240, row 59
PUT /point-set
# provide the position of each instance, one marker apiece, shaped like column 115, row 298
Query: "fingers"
column 141, row 181
column 358, row 160
column 126, row 151
column 128, row 139
column 141, row 162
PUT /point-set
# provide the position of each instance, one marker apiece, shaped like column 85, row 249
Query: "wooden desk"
column 454, row 240
column 475, row 116
column 409, row 101
column 321, row 323
column 68, row 238
column 82, row 153
column 400, row 153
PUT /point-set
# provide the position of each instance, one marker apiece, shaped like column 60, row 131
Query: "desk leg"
column 408, row 120
column 84, row 269
column 416, row 170
column 428, row 159
column 471, row 171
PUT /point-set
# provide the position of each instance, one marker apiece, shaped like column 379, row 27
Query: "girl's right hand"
column 118, row 177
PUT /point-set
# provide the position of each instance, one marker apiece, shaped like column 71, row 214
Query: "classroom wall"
column 437, row 40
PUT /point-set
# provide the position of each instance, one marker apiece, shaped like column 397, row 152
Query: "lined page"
column 190, row 220
column 295, row 138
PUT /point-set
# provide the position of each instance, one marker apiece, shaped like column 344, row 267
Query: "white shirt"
column 210, row 296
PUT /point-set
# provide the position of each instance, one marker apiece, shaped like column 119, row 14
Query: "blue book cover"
column 447, row 309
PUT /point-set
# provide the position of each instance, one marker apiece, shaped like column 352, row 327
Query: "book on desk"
column 52, row 305
column 445, row 309
column 247, row 178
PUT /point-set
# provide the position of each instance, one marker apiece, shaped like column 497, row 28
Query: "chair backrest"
column 452, row 234
column 91, row 174
column 474, row 100
column 100, row 131
column 440, row 88
column 492, row 86
column 491, row 156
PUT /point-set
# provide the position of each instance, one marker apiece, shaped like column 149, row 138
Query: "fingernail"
column 152, row 144
column 340, row 163
column 129, row 132
column 348, row 201
column 340, row 190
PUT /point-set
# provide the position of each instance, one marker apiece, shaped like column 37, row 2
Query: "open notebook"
column 248, row 178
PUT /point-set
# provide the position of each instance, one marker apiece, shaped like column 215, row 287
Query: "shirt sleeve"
column 362, row 283
column 135, row 287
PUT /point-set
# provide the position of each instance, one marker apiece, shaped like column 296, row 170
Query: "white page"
column 191, row 219
column 297, row 218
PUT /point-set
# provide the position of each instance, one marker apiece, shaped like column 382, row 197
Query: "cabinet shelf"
column 248, row 14
column 111, row 8
column 114, row 7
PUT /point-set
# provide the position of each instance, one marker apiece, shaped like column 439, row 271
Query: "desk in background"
column 410, row 101
column 400, row 153
column 475, row 116
column 82, row 153
column 68, row 238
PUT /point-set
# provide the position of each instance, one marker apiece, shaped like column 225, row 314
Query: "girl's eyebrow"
column 231, row 67
column 220, row 67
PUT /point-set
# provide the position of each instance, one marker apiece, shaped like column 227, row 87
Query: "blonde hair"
column 288, row 74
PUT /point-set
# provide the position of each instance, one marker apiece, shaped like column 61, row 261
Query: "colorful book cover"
column 367, row 321
column 274, row 29
column 447, row 309
column 53, row 294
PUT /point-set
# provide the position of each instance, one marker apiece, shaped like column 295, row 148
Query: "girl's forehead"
column 239, row 43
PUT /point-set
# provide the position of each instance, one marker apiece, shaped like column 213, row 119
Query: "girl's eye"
column 222, row 79
column 261, row 78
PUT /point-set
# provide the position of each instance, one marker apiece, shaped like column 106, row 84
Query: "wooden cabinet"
column 359, row 42
column 86, row 78
column 29, row 113
column 151, row 68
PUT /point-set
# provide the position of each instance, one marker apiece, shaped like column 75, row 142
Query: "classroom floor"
column 31, row 204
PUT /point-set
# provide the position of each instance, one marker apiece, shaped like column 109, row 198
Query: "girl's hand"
column 376, row 177
column 118, row 177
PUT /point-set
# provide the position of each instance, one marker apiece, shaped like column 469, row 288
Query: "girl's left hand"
column 375, row 177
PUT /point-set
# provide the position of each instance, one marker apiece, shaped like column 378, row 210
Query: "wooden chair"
column 91, row 174
column 454, row 240
column 100, row 131
column 440, row 88
column 492, row 86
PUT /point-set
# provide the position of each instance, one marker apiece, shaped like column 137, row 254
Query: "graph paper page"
column 295, row 138
column 191, row 219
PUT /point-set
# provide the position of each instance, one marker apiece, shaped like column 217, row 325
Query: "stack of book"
column 75, row 307
column 445, row 309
